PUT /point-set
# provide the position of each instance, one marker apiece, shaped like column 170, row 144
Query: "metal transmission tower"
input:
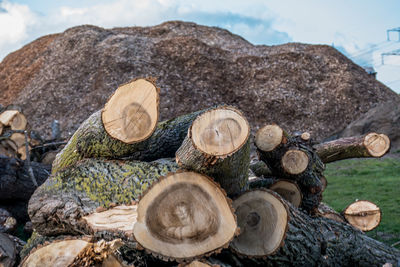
column 394, row 52
column 393, row 30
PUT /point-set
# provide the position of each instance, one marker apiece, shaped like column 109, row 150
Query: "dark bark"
column 15, row 182
column 308, row 181
column 57, row 206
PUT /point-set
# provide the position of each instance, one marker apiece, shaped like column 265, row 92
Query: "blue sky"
column 357, row 28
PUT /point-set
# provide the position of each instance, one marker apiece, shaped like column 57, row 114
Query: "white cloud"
column 15, row 23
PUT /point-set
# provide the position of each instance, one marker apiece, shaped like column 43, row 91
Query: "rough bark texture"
column 309, row 180
column 15, row 182
column 343, row 148
column 57, row 206
column 320, row 242
column 230, row 171
column 82, row 66
column 91, row 140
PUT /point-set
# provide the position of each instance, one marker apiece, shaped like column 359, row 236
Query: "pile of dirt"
column 70, row 75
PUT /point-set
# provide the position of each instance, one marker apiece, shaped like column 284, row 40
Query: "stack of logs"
column 128, row 191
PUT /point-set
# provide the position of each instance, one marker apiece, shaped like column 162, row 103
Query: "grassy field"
column 376, row 180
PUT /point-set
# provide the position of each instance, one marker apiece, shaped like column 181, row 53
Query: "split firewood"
column 64, row 203
column 91, row 141
column 369, row 145
column 309, row 241
column 289, row 190
column 217, row 144
column 263, row 219
column 74, row 252
column 289, row 157
column 185, row 215
column 363, row 215
column 13, row 118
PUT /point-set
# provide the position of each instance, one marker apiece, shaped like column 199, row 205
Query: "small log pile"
column 129, row 191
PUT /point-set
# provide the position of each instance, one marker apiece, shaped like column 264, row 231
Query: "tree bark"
column 227, row 159
column 15, row 182
column 57, row 207
column 365, row 146
column 92, row 141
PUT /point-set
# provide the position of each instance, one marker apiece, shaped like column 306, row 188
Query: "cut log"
column 60, row 205
column 1, row 128
column 7, row 116
column 15, row 182
column 293, row 159
column 317, row 241
column 18, row 139
column 197, row 264
column 74, row 252
column 263, row 219
column 19, row 122
column 324, row 182
column 305, row 136
column 8, row 251
column 91, row 141
column 131, row 114
column 329, row 213
column 185, row 215
column 259, row 168
column 289, row 190
column 217, row 144
column 363, row 215
column 369, row 145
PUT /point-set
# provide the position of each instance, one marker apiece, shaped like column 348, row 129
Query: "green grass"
column 376, row 180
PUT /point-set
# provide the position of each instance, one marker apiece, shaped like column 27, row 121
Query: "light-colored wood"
column 269, row 137
column 377, row 144
column 196, row 264
column 220, row 131
column 184, row 215
column 263, row 219
column 120, row 218
column 131, row 114
column 19, row 122
column 18, row 138
column 288, row 190
column 7, row 116
column 1, row 128
column 56, row 254
column 305, row 136
column 295, row 161
column 363, row 215
column 324, row 182
column 11, row 144
column 22, row 152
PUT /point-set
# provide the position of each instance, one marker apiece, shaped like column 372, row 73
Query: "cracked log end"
column 185, row 215
column 220, row 131
column 363, row 215
column 131, row 114
column 269, row 137
column 74, row 252
column 376, row 144
column 288, row 190
column 295, row 161
column 120, row 218
column 263, row 219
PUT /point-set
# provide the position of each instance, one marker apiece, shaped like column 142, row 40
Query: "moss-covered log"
column 217, row 144
column 365, row 146
column 57, row 207
column 92, row 141
column 292, row 158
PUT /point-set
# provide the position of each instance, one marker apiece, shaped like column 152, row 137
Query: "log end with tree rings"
column 220, row 131
column 295, row 161
column 288, row 190
column 305, row 136
column 363, row 215
column 185, row 215
column 263, row 219
column 377, row 144
column 131, row 114
column 117, row 219
column 269, row 137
